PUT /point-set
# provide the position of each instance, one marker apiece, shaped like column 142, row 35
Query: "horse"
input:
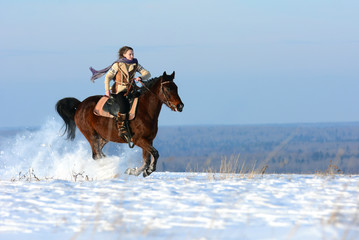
column 100, row 130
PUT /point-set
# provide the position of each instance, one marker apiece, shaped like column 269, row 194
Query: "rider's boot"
column 122, row 121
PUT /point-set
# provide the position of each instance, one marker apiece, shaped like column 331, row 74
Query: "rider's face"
column 129, row 55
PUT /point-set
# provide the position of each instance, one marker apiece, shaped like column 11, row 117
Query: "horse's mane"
column 149, row 84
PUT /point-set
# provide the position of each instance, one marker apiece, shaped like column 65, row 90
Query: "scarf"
column 99, row 73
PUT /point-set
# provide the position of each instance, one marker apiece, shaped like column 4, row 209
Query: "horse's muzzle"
column 180, row 107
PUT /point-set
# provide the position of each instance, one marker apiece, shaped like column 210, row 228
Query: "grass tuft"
column 332, row 170
column 28, row 176
column 233, row 168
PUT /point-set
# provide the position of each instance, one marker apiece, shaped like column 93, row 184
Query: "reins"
column 167, row 102
column 129, row 87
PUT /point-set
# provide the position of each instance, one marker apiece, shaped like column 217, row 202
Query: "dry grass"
column 80, row 176
column 234, row 168
column 28, row 176
column 332, row 170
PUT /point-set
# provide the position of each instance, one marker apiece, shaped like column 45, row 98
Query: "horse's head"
column 169, row 93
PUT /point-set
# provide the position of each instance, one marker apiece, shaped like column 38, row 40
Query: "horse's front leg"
column 154, row 153
column 143, row 168
column 148, row 166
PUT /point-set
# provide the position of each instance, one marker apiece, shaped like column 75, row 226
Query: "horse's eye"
column 171, row 87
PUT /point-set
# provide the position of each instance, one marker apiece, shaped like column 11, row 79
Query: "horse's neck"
column 151, row 103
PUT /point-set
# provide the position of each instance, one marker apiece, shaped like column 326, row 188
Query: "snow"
column 79, row 198
column 182, row 206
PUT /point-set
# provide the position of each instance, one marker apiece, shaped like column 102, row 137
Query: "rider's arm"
column 144, row 73
column 109, row 76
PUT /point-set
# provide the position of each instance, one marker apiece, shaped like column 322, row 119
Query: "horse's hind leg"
column 101, row 143
column 96, row 142
column 97, row 145
column 84, row 119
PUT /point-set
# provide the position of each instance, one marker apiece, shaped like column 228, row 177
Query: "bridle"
column 167, row 102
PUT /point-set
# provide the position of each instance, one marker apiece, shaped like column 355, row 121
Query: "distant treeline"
column 284, row 148
column 287, row 148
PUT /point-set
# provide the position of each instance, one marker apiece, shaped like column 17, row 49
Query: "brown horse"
column 100, row 130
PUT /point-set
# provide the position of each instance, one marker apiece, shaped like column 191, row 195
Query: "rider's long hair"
column 123, row 50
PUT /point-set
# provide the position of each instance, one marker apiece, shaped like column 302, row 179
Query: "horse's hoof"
column 146, row 173
column 132, row 171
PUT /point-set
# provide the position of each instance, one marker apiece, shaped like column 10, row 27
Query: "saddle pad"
column 132, row 113
column 99, row 108
column 100, row 112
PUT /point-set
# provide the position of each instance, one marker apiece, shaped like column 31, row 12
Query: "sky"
column 236, row 62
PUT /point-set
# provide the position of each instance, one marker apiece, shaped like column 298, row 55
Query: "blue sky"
column 236, row 62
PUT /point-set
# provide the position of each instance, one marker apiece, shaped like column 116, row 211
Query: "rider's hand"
column 138, row 79
column 107, row 93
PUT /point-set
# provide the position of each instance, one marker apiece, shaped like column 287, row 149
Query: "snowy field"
column 52, row 189
column 182, row 206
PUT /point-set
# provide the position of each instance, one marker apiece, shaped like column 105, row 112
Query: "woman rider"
column 123, row 72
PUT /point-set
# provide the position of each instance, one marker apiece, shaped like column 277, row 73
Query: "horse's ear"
column 173, row 75
column 164, row 73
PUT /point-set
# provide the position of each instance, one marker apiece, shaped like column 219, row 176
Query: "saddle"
column 99, row 111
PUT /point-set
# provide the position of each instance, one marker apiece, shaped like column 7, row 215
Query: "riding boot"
column 121, row 121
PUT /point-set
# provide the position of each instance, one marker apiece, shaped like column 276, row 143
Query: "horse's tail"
column 66, row 108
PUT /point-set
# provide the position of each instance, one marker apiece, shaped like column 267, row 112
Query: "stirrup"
column 125, row 137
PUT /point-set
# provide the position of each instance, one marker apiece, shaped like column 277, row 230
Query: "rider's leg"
column 122, row 116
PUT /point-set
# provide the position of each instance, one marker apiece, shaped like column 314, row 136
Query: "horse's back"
column 86, row 107
column 89, row 103
column 92, row 99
